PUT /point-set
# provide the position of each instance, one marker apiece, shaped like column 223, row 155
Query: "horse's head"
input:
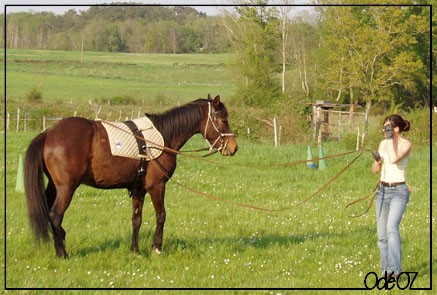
column 217, row 131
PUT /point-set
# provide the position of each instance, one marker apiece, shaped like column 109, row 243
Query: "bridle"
column 213, row 119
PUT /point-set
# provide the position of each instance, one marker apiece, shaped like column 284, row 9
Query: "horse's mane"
column 183, row 119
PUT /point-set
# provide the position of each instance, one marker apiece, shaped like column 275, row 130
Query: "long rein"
column 212, row 197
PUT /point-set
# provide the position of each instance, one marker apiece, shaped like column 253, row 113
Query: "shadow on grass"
column 107, row 245
column 120, row 243
column 261, row 241
column 174, row 245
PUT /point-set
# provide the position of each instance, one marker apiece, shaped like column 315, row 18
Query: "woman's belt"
column 391, row 184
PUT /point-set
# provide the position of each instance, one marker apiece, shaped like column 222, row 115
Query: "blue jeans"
column 390, row 206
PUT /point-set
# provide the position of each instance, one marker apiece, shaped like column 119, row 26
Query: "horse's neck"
column 177, row 142
column 178, row 137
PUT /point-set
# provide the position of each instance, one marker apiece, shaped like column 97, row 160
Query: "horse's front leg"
column 157, row 194
column 137, row 216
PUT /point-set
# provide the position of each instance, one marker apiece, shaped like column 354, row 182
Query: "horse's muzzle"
column 230, row 147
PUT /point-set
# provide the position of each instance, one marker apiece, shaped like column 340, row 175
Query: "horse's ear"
column 209, row 97
column 217, row 102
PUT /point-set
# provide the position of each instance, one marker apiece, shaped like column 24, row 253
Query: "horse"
column 76, row 151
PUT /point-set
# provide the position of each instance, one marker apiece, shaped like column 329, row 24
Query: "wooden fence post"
column 275, row 131
column 98, row 113
column 358, row 139
column 25, row 123
column 18, row 119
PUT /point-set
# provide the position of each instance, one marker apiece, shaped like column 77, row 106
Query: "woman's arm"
column 376, row 166
column 393, row 155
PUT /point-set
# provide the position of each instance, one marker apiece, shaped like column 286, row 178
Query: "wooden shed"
column 333, row 121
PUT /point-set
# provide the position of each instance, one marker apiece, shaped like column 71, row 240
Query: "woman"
column 391, row 161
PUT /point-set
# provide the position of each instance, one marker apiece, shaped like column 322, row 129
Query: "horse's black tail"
column 34, row 187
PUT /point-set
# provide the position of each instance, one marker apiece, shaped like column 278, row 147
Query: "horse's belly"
column 112, row 172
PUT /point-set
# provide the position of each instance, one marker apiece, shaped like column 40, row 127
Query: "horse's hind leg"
column 50, row 193
column 137, row 216
column 60, row 205
column 157, row 195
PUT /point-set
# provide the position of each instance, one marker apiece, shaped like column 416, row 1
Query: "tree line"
column 354, row 54
column 119, row 28
column 357, row 54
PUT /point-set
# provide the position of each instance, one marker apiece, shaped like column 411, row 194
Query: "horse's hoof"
column 62, row 254
column 157, row 251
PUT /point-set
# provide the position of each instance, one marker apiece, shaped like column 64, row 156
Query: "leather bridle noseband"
column 213, row 119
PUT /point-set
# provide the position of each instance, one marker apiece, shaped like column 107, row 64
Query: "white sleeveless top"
column 392, row 172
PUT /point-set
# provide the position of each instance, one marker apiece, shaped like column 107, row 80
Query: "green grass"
column 207, row 244
column 62, row 76
column 211, row 244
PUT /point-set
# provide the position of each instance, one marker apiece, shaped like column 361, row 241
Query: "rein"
column 215, row 198
column 202, row 158
column 362, row 199
column 212, row 197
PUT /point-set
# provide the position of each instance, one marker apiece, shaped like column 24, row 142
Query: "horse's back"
column 68, row 148
column 71, row 125
column 78, row 148
column 71, row 132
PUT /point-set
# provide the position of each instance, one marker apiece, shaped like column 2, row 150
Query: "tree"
column 284, row 20
column 123, row 28
column 209, row 34
column 252, row 31
column 134, row 34
column 370, row 54
column 303, row 41
column 162, row 36
column 191, row 42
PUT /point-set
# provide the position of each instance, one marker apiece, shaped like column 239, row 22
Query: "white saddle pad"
column 124, row 144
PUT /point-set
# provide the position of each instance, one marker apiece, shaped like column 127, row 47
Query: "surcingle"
column 134, row 139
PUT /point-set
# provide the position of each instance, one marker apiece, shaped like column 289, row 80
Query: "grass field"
column 207, row 244
column 62, row 76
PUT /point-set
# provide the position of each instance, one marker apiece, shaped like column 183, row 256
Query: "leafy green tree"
column 253, row 34
column 303, row 42
column 115, row 40
column 133, row 34
column 371, row 55
column 191, row 42
column 162, row 37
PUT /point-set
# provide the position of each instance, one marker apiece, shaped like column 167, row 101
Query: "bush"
column 119, row 100
column 34, row 95
column 420, row 131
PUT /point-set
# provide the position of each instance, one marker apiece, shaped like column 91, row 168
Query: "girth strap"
column 142, row 151
column 138, row 137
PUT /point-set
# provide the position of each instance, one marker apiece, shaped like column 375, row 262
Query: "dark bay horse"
column 76, row 151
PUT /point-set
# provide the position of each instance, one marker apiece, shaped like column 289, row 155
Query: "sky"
column 27, row 5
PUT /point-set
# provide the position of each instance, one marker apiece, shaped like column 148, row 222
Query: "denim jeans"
column 390, row 206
